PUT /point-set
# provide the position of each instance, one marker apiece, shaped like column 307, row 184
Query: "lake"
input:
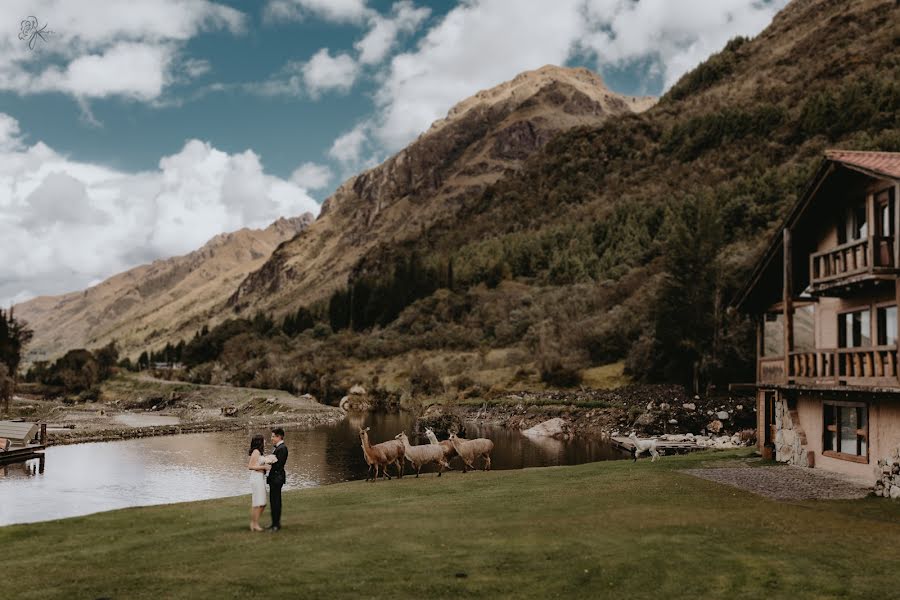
column 80, row 479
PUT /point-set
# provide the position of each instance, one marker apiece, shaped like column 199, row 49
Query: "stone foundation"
column 790, row 439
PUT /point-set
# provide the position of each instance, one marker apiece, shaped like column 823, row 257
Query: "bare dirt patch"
column 785, row 482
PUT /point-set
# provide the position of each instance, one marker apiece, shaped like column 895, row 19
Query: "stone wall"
column 790, row 439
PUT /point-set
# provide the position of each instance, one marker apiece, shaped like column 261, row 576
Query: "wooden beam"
column 788, row 303
column 895, row 201
column 760, row 330
column 870, row 230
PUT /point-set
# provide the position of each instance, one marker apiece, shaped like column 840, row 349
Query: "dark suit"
column 276, row 480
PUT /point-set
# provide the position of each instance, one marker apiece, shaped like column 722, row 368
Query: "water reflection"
column 86, row 478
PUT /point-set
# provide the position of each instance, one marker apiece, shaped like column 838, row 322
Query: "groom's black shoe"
column 275, row 528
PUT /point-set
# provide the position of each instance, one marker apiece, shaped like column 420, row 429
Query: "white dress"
column 258, row 484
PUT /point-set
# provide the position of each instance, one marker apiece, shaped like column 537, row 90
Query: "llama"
column 419, row 456
column 468, row 450
column 446, row 445
column 379, row 456
column 641, row 446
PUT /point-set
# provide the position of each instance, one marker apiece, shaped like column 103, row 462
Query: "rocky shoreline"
column 61, row 437
column 648, row 410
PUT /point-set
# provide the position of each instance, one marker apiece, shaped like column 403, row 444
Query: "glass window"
column 884, row 206
column 854, row 329
column 887, row 326
column 846, row 428
column 773, row 334
column 805, row 328
column 860, row 228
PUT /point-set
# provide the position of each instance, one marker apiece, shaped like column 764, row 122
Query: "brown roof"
column 883, row 163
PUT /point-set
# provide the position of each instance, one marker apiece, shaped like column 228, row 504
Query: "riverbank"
column 135, row 406
column 644, row 530
column 650, row 410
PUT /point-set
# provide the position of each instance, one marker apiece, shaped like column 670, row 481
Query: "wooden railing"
column 874, row 362
column 819, row 364
column 877, row 365
column 851, row 258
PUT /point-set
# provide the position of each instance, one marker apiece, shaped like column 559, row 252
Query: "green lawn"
column 612, row 529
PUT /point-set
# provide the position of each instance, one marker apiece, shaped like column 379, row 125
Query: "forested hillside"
column 623, row 241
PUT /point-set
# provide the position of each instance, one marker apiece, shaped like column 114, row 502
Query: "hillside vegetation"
column 622, row 241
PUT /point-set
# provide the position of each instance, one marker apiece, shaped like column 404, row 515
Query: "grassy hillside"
column 631, row 531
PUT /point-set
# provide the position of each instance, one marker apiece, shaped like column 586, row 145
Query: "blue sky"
column 138, row 130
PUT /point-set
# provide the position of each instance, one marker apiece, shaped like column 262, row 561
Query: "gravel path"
column 785, row 482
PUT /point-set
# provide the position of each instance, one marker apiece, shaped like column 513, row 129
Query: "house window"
column 887, row 326
column 854, row 329
column 846, row 431
column 773, row 334
column 884, row 208
column 805, row 328
column 855, row 226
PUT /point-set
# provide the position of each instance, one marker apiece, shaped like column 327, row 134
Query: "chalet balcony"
column 855, row 261
column 876, row 366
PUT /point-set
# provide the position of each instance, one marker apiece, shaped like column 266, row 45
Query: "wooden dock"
column 663, row 446
column 26, row 441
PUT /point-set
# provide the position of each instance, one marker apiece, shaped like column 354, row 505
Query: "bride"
column 258, row 469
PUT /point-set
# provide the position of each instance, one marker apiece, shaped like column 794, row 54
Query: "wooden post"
column 43, row 437
column 870, row 231
column 788, row 304
column 760, row 328
column 895, row 202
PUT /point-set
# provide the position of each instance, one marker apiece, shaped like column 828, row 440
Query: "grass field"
column 613, row 529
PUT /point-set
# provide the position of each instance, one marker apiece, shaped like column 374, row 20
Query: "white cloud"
column 321, row 73
column 65, row 223
column 336, row 11
column 348, row 148
column 324, row 72
column 138, row 71
column 312, row 176
column 195, row 67
column 10, row 137
column 383, row 32
column 676, row 36
column 102, row 49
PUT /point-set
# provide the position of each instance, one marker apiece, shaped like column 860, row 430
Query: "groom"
column 277, row 477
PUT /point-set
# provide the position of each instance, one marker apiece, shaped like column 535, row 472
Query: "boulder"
column 895, row 492
column 442, row 420
column 357, row 390
column 689, row 406
column 354, row 403
column 714, row 426
column 722, row 415
column 556, row 428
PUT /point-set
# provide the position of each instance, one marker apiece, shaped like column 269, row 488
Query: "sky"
column 131, row 131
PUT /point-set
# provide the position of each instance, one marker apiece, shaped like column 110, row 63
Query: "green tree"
column 684, row 323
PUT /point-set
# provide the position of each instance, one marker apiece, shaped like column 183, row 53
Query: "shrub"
column 423, row 380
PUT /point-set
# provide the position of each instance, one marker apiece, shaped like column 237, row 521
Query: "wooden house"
column 825, row 297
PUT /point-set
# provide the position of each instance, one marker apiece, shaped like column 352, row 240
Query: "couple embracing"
column 267, row 467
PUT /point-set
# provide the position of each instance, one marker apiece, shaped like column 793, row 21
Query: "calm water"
column 86, row 478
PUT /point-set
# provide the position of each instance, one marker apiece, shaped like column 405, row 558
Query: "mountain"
column 166, row 299
column 483, row 139
column 496, row 253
